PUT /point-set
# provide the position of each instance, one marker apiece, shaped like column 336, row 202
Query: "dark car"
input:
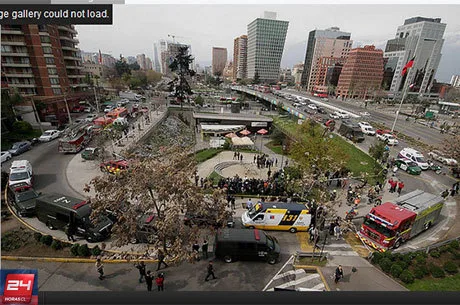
column 90, row 153
column 210, row 219
column 146, row 231
column 23, row 198
column 321, row 110
column 20, row 147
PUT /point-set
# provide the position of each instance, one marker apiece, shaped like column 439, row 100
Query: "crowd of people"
column 272, row 186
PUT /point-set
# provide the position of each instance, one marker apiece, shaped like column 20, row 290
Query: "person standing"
column 161, row 259
column 233, row 202
column 70, row 231
column 338, row 274
column 400, row 187
column 149, row 280
column 141, row 266
column 160, row 280
column 210, row 270
column 204, row 249
column 196, row 250
column 337, row 232
column 100, row 268
column 249, row 204
column 390, row 182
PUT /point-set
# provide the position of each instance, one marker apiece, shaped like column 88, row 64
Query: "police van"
column 282, row 216
column 58, row 211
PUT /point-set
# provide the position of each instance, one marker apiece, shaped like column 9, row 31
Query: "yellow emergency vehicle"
column 282, row 216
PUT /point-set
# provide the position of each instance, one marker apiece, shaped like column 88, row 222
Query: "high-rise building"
column 240, row 57
column 167, row 56
column 297, row 73
column 148, row 64
column 266, row 38
column 421, row 38
column 228, row 70
column 132, row 60
column 43, row 62
column 455, row 81
column 141, row 61
column 362, row 73
column 219, row 60
column 325, row 48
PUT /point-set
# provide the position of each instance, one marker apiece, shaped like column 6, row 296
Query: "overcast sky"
column 136, row 27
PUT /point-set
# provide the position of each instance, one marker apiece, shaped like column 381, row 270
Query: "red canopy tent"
column 262, row 131
column 245, row 132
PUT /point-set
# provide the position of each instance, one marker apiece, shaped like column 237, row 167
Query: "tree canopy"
column 161, row 186
column 181, row 66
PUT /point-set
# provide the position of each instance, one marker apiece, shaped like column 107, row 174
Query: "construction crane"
column 174, row 37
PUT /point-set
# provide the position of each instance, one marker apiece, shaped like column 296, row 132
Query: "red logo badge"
column 18, row 288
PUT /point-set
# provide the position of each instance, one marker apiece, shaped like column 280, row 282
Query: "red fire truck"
column 75, row 138
column 389, row 225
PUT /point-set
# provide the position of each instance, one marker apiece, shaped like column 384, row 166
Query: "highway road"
column 427, row 135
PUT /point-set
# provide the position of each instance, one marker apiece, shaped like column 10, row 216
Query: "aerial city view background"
column 234, row 148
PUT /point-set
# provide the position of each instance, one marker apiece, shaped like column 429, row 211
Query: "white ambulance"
column 282, row 216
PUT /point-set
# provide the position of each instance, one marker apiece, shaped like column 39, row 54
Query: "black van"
column 57, row 211
column 351, row 131
column 22, row 197
column 246, row 244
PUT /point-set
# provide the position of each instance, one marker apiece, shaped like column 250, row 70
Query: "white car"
column 364, row 124
column 90, row 118
column 365, row 113
column 296, row 105
column 342, row 114
column 108, row 109
column 312, row 107
column 49, row 135
column 87, row 110
column 334, row 116
column 439, row 156
column 389, row 138
column 302, row 103
column 5, row 156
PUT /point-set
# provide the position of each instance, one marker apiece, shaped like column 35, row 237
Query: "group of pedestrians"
column 272, row 186
column 264, row 161
column 238, row 156
column 204, row 250
column 149, row 277
column 395, row 185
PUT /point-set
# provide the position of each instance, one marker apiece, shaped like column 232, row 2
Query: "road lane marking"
column 287, row 262
column 299, row 281
column 288, row 273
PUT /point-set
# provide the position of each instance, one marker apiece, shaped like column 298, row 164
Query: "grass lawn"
column 277, row 149
column 12, row 137
column 206, row 154
column 308, row 261
column 358, row 162
column 449, row 283
column 215, row 177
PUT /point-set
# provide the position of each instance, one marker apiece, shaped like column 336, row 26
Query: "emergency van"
column 283, row 216
column 21, row 171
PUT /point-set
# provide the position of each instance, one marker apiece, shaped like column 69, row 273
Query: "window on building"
column 7, row 49
column 52, row 71
column 49, row 60
column 57, row 91
column 25, row 60
column 54, row 81
column 45, row 39
column 47, row 50
column 42, row 28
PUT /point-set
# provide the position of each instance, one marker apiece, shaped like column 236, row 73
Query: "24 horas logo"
column 19, row 286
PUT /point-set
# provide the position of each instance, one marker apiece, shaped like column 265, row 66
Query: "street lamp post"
column 282, row 157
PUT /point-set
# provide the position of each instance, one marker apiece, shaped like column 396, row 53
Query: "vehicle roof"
column 20, row 164
column 392, row 213
column 65, row 201
column 292, row 206
column 241, row 234
column 411, row 150
column 418, row 200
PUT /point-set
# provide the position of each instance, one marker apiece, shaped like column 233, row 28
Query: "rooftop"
column 421, row 19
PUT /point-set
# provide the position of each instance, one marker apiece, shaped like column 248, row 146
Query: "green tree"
column 122, row 67
column 153, row 77
column 377, row 150
column 256, row 79
column 9, row 100
column 199, row 100
column 181, row 66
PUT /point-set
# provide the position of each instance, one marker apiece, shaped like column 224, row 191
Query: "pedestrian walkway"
column 79, row 172
column 290, row 278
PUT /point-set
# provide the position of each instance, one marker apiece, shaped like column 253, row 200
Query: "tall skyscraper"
column 142, row 61
column 240, row 57
column 266, row 38
column 325, row 48
column 421, row 38
column 148, row 64
column 156, row 58
column 362, row 73
column 219, row 60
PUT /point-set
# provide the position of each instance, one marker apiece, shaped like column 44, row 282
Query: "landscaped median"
column 436, row 270
column 358, row 162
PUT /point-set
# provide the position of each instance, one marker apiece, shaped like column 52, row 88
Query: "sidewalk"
column 79, row 172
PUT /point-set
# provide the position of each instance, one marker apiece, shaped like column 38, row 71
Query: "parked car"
column 114, row 166
column 78, row 108
column 87, row 110
column 365, row 113
column 312, row 107
column 22, row 197
column 334, row 116
column 20, row 147
column 296, row 105
column 90, row 153
column 49, row 135
column 439, row 156
column 5, row 156
column 146, row 231
column 388, row 138
column 383, row 131
column 321, row 110
column 109, row 108
column 367, row 128
column 90, row 117
column 408, row 166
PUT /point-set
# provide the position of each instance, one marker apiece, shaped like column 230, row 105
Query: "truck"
column 130, row 95
column 391, row 224
column 75, row 138
column 351, row 131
